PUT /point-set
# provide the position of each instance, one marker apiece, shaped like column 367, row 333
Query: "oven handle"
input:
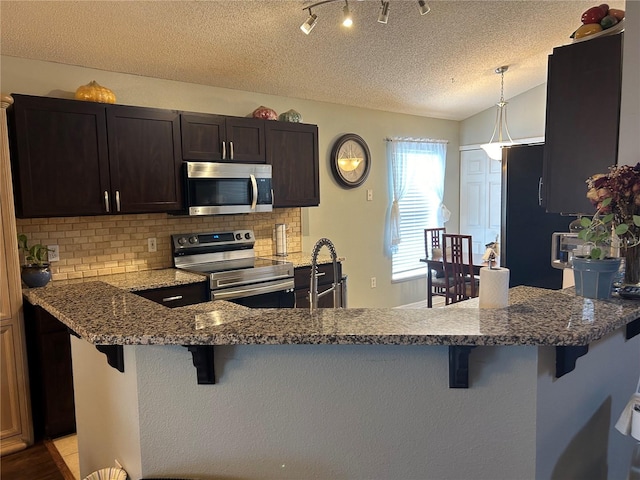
column 254, row 190
column 251, row 290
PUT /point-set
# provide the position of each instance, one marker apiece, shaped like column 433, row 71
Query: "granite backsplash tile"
column 108, row 244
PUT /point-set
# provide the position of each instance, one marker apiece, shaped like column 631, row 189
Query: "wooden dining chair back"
column 460, row 281
column 433, row 239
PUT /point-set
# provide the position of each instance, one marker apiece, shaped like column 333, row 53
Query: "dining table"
column 436, row 264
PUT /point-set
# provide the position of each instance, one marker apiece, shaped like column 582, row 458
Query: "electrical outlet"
column 54, row 253
column 152, row 245
column 369, row 195
column 373, row 282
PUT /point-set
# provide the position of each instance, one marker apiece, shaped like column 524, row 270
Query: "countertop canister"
column 281, row 239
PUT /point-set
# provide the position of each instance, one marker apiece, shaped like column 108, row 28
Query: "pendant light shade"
column 494, row 147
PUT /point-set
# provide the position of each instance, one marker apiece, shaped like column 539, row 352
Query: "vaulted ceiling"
column 439, row 65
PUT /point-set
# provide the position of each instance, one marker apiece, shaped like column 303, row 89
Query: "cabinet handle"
column 540, row 192
column 254, row 191
column 172, row 299
column 231, row 150
column 106, row 201
column 224, row 150
column 117, row 200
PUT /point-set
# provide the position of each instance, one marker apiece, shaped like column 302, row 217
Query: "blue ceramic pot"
column 36, row 276
column 594, row 278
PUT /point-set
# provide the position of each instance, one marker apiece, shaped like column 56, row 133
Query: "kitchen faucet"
column 313, row 284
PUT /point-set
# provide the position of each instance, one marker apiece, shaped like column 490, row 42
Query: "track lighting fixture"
column 383, row 16
column 494, row 148
column 347, row 19
column 307, row 26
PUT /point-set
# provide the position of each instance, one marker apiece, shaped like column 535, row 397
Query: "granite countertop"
column 303, row 259
column 105, row 314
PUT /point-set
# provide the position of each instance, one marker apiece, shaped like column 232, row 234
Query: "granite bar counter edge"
column 107, row 312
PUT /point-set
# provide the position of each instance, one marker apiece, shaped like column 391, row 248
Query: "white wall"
column 354, row 225
column 629, row 147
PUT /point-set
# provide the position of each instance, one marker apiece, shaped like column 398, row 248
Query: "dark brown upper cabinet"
column 144, row 159
column 292, row 150
column 81, row 158
column 582, row 120
column 218, row 138
column 59, row 156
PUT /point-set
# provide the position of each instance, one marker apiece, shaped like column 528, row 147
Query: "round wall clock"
column 350, row 160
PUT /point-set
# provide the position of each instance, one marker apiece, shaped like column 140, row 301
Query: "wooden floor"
column 41, row 461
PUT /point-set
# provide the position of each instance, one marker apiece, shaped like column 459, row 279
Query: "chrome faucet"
column 313, row 284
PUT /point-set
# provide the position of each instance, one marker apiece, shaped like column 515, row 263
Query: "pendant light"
column 494, row 148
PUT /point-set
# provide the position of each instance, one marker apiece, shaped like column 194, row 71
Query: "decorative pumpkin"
column 92, row 92
column 265, row 113
column 290, row 116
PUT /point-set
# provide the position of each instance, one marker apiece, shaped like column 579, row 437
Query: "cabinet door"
column 202, row 137
column 292, row 150
column 582, row 120
column 144, row 159
column 50, row 373
column 59, row 156
column 245, row 140
column 302, row 280
column 10, row 421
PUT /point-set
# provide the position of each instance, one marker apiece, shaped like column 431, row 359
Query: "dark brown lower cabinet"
column 50, row 374
column 302, row 279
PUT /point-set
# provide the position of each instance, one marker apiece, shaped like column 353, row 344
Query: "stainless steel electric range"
column 235, row 273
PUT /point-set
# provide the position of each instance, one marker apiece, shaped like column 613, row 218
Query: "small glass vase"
column 631, row 265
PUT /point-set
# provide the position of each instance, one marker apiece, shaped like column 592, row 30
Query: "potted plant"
column 35, row 271
column 613, row 228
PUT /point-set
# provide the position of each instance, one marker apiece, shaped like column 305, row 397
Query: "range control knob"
column 182, row 240
column 193, row 239
column 247, row 236
column 238, row 236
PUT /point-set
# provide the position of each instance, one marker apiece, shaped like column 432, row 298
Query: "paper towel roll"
column 281, row 239
column 494, row 287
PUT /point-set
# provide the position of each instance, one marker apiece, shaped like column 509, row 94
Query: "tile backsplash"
column 107, row 244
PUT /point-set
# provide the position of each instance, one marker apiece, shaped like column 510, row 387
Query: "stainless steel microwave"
column 227, row 188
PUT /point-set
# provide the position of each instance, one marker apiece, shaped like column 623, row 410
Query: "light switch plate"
column 152, row 245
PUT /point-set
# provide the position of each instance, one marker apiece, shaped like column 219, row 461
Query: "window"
column 416, row 170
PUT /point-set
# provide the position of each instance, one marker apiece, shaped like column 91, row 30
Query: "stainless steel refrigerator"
column 525, row 240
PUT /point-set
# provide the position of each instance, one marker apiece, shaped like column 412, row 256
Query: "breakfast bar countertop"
column 104, row 314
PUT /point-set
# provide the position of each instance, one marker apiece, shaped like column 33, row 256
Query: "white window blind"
column 418, row 208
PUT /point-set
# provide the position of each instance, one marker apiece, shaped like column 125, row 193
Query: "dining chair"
column 460, row 281
column 433, row 240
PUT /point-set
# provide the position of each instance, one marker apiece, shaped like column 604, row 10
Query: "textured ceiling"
column 439, row 65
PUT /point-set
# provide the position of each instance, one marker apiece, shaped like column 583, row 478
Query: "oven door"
column 271, row 294
column 218, row 188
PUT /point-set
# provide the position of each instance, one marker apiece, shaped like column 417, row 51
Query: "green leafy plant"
column 616, row 195
column 35, row 254
column 597, row 231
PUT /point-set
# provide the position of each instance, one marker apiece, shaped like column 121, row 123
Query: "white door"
column 480, row 190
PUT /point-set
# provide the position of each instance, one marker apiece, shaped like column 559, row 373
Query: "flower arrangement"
column 616, row 196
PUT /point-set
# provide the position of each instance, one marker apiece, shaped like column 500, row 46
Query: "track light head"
column 383, row 16
column 347, row 20
column 423, row 7
column 307, row 26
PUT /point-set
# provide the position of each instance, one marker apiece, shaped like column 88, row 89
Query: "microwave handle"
column 224, row 150
column 254, row 190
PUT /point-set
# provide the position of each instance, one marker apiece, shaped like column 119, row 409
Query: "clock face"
column 351, row 160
